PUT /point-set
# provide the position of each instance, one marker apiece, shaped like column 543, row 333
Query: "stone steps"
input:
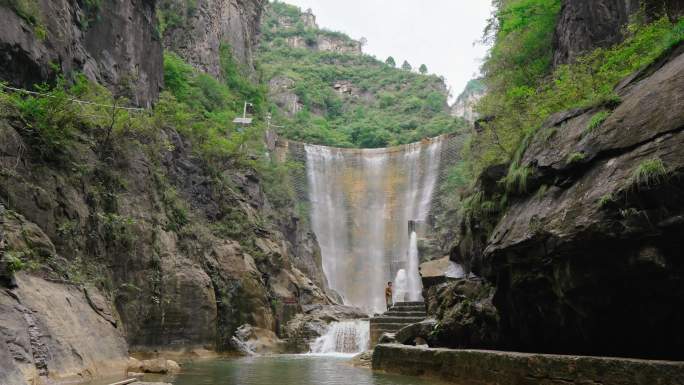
column 384, row 319
column 396, row 318
column 406, row 313
column 388, row 328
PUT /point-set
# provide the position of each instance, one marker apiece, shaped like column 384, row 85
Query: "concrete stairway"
column 398, row 316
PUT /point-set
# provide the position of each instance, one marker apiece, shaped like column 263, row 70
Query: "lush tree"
column 423, row 69
column 390, row 62
column 406, row 66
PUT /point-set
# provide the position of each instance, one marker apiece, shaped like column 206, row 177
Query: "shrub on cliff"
column 524, row 90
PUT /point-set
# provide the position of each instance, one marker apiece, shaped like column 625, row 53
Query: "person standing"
column 388, row 295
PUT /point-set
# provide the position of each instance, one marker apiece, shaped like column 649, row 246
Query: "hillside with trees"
column 324, row 90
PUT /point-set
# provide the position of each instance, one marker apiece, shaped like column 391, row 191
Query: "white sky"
column 439, row 33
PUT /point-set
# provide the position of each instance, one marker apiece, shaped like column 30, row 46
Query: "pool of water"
column 284, row 370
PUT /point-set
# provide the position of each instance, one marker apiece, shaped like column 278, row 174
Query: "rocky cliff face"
column 113, row 43
column 196, row 30
column 184, row 257
column 174, row 254
column 586, row 24
column 464, row 106
column 303, row 32
column 588, row 260
column 41, row 324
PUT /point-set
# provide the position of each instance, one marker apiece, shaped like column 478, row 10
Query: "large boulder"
column 415, row 334
column 251, row 340
column 466, row 317
column 52, row 330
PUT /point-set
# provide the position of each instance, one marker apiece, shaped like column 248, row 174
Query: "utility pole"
column 244, row 120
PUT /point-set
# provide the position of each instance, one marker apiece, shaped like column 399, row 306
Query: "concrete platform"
column 485, row 367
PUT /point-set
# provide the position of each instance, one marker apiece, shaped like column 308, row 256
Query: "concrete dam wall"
column 360, row 202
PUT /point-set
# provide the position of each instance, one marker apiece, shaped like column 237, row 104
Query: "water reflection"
column 286, row 370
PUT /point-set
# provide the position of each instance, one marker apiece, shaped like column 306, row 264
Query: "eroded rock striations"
column 113, row 43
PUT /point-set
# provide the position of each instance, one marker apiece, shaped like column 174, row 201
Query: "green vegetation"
column 29, row 10
column 576, row 157
column 174, row 14
column 406, row 66
column 384, row 105
column 423, row 69
column 14, row 262
column 516, row 179
column 649, row 173
column 606, row 200
column 597, row 120
column 524, row 89
column 203, row 108
column 59, row 130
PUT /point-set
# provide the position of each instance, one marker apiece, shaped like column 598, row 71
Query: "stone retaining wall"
column 482, row 367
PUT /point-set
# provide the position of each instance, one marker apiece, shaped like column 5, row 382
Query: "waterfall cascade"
column 400, row 288
column 343, row 337
column 415, row 285
column 361, row 203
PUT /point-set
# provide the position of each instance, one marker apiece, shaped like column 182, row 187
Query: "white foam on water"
column 345, row 338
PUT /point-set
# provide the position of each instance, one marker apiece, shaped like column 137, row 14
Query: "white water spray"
column 400, row 287
column 415, row 284
column 344, row 337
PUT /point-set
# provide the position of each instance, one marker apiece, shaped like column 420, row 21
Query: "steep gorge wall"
column 182, row 253
column 200, row 28
column 584, row 25
column 587, row 260
column 114, row 43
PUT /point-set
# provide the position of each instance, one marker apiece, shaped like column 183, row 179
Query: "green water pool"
column 283, row 370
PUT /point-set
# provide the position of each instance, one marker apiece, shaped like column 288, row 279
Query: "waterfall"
column 455, row 270
column 400, row 287
column 361, row 202
column 343, row 337
column 415, row 285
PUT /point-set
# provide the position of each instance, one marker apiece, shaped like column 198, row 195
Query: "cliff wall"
column 151, row 247
column 197, row 30
column 113, row 43
column 584, row 25
column 589, row 253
